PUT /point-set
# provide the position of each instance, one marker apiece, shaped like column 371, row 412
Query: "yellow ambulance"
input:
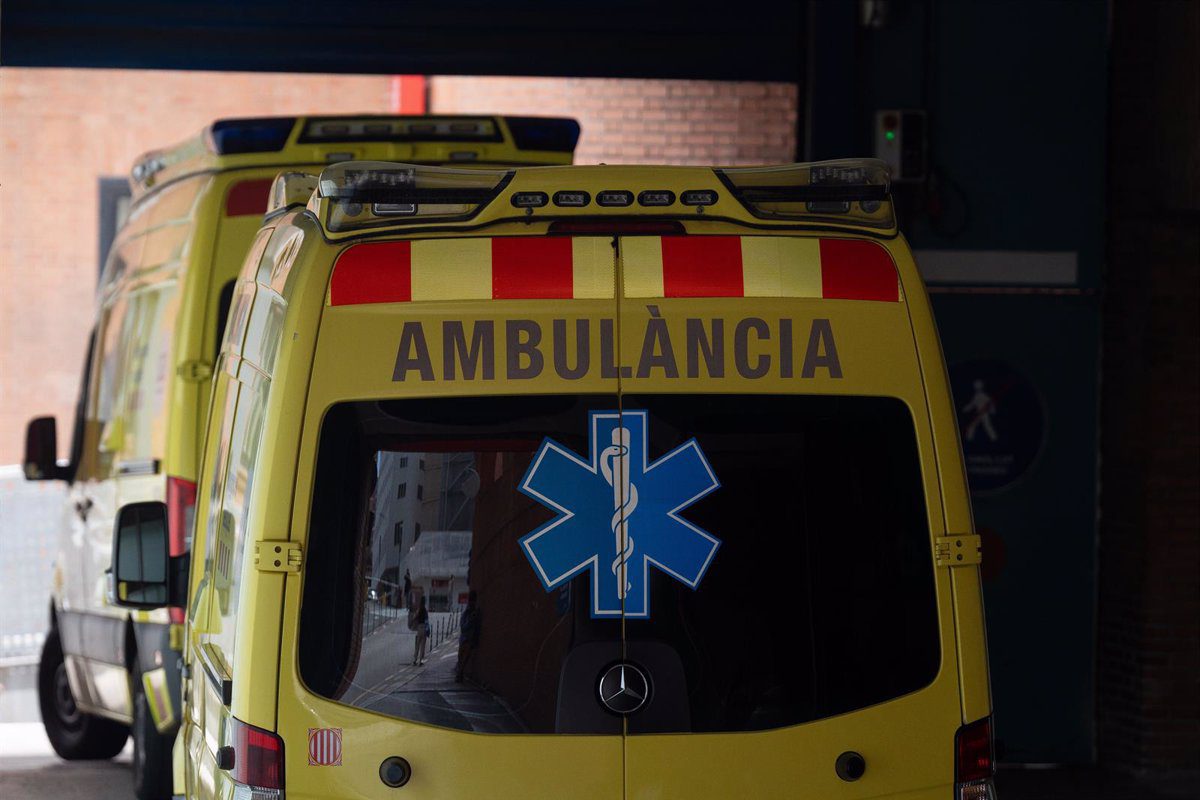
column 588, row 482
column 163, row 299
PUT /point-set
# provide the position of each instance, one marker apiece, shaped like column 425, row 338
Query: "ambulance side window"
column 234, row 327
column 224, row 301
column 79, row 429
column 237, row 298
column 107, row 408
column 147, row 376
column 241, row 435
column 218, row 533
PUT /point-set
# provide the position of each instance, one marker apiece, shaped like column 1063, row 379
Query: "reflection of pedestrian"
column 468, row 635
column 418, row 621
column 407, row 590
column 983, row 407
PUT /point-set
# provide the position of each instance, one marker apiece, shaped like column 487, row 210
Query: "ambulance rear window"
column 465, row 561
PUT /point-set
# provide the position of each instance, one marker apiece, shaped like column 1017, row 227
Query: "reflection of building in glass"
column 438, row 565
column 416, row 494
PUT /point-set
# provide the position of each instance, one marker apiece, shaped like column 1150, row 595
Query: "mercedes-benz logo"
column 623, row 688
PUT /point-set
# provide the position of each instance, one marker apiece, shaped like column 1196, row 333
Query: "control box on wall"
column 901, row 141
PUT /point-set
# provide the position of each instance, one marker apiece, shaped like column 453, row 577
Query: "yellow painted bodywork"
column 181, row 242
column 317, row 354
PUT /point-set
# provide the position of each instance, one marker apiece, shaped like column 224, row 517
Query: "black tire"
column 74, row 735
column 152, row 762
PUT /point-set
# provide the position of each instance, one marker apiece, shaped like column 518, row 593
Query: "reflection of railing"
column 444, row 628
column 385, row 604
column 382, row 607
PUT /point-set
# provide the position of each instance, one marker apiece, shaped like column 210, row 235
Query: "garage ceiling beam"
column 699, row 39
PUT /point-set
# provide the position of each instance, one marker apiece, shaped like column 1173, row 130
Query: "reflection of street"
column 387, row 651
column 387, row 682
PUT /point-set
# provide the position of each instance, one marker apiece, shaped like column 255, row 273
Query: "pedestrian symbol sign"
column 618, row 514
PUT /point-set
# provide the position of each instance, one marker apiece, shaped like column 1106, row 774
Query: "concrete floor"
column 1080, row 783
column 29, row 769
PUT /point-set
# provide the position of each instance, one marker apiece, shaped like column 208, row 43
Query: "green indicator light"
column 890, row 136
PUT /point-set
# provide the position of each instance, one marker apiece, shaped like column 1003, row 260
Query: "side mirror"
column 143, row 571
column 41, row 450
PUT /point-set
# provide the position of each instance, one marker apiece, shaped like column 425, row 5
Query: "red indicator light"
column 604, row 227
column 248, row 197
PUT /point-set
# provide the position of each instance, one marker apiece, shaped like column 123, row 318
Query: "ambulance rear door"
column 785, row 624
column 455, row 386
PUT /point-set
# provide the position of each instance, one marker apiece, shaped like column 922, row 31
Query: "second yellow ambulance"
column 163, row 300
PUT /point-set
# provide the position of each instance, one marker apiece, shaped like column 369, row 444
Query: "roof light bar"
column 365, row 194
column 698, row 197
column 552, row 134
column 614, row 198
column 400, row 129
column 851, row 187
column 568, row 199
column 394, row 209
column 362, row 191
column 258, row 135
column 529, row 199
column 656, row 198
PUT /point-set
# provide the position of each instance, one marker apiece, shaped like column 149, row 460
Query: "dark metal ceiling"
column 703, row 39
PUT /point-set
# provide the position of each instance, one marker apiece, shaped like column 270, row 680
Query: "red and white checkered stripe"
column 553, row 267
column 324, row 747
column 500, row 268
column 758, row 266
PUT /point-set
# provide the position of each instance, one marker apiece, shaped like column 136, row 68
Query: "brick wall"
column 644, row 121
column 1148, row 670
column 61, row 129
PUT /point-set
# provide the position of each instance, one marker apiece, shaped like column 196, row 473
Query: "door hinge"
column 963, row 550
column 195, row 371
column 278, row 556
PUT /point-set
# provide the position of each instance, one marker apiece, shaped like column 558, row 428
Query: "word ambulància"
column 752, row 347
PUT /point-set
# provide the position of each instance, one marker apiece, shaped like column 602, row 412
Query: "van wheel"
column 151, row 750
column 73, row 734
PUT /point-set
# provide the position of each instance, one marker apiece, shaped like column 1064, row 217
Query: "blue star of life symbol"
column 618, row 514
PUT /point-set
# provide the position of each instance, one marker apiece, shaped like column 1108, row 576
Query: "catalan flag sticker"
column 324, row 747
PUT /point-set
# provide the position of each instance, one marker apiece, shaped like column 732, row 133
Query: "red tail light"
column 181, row 515
column 974, row 759
column 258, row 756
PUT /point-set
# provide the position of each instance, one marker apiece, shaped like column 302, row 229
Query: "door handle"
column 82, row 507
